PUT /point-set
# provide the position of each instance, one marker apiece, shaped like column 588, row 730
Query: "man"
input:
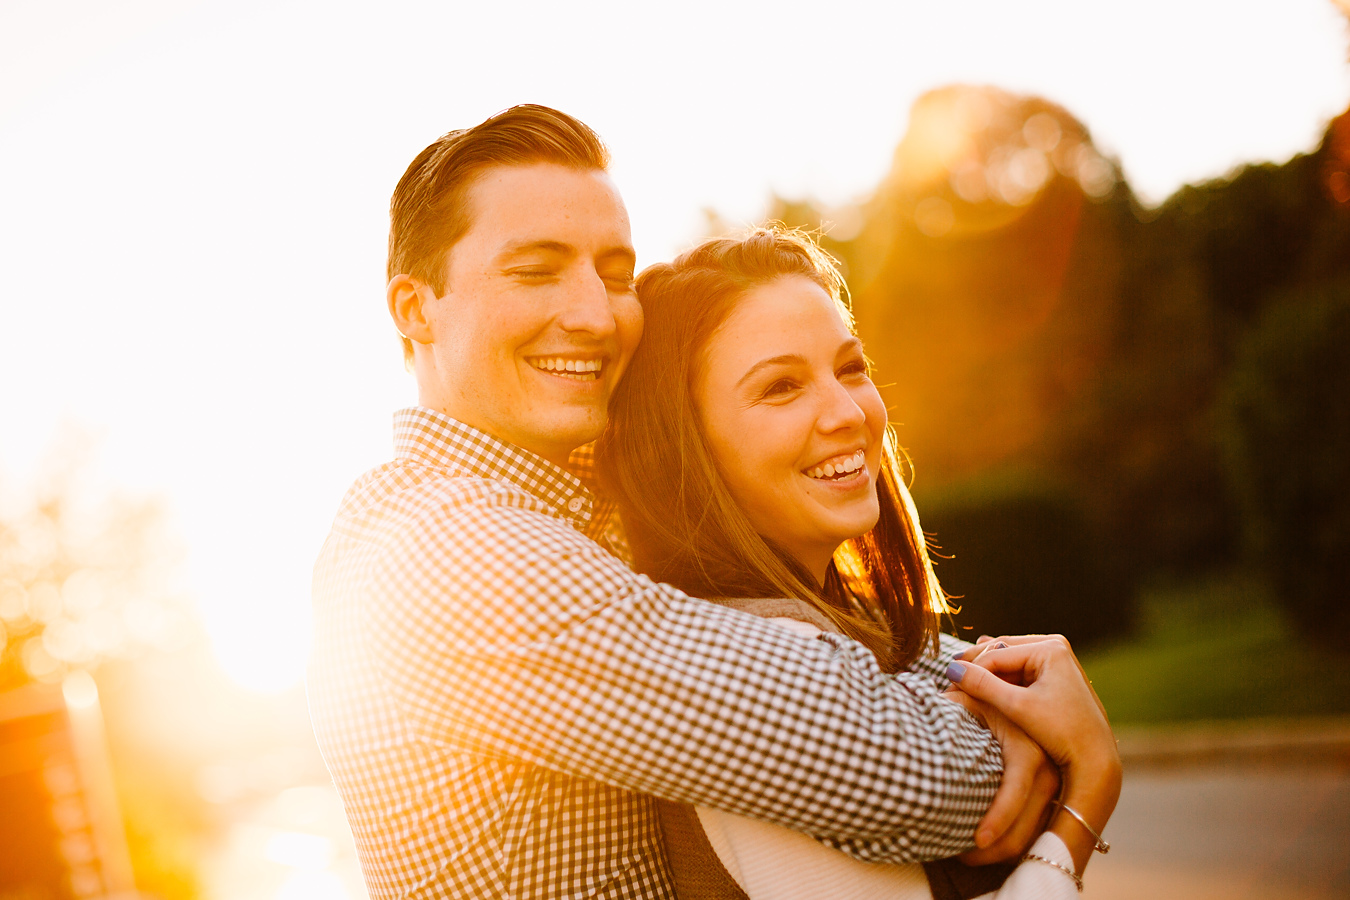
column 494, row 693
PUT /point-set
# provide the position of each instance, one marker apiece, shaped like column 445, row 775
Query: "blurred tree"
column 1286, row 432
column 87, row 582
column 1024, row 559
column 985, row 273
column 80, row 583
column 1198, row 271
column 82, row 580
column 1026, row 313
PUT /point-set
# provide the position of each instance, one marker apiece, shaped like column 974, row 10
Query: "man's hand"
column 1021, row 807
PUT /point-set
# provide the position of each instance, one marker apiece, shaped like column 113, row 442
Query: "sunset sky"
column 193, row 198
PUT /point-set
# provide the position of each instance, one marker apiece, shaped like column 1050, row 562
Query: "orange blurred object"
column 60, row 832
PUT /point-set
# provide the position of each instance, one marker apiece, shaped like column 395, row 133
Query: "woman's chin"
column 846, row 508
column 845, row 525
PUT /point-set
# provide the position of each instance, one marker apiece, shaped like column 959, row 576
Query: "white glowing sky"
column 193, row 196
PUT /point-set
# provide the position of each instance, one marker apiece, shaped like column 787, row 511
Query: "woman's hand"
column 1039, row 685
column 985, row 643
column 1030, row 781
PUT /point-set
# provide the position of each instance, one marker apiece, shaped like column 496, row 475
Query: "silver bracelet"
column 1078, row 882
column 1102, row 846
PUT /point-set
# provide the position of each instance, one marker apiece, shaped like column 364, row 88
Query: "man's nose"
column 588, row 308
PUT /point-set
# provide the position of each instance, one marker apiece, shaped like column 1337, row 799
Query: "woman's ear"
column 407, row 298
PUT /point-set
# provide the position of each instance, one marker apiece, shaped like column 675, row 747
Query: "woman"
column 752, row 391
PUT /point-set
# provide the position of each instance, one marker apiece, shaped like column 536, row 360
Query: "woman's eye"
column 857, row 369
column 780, row 387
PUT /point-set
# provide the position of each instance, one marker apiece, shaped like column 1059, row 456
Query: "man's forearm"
column 662, row 694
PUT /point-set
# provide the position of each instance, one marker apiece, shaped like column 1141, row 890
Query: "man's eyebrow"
column 787, row 359
column 521, row 248
column 626, row 254
column 518, row 248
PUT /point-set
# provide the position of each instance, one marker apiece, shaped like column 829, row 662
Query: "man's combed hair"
column 429, row 210
column 685, row 526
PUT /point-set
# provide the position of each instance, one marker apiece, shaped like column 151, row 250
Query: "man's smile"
column 569, row 367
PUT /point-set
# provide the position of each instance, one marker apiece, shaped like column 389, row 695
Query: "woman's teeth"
column 840, row 467
column 576, row 369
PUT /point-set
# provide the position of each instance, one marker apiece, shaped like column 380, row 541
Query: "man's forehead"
column 546, row 203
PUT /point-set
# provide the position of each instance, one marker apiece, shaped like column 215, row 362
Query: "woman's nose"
column 839, row 410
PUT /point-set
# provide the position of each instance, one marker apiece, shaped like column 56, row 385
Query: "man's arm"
column 559, row 656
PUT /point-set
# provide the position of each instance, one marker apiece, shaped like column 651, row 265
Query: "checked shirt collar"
column 434, row 439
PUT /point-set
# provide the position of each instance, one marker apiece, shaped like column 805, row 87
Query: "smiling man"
column 527, row 331
column 496, row 695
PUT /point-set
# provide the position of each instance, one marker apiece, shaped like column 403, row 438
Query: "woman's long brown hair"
column 685, row 527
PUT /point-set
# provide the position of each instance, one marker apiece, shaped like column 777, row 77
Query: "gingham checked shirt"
column 494, row 693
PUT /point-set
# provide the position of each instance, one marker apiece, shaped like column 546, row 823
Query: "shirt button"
column 575, row 504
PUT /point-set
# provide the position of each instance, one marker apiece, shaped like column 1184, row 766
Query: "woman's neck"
column 817, row 564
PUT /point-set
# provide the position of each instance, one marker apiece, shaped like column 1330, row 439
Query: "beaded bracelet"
column 1102, row 846
column 1078, row 882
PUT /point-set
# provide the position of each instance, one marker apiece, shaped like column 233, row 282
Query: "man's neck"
column 558, row 457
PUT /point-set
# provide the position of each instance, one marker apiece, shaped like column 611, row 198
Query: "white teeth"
column 830, row 469
column 582, row 369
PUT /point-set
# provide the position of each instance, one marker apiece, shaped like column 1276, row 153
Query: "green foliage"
column 1219, row 648
column 1023, row 559
column 1248, row 234
column 1286, row 429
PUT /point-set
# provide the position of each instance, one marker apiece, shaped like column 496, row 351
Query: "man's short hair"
column 429, row 213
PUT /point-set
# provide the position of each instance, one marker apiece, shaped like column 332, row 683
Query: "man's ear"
column 406, row 296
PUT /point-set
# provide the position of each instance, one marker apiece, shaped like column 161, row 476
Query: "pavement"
column 1247, row 811
column 1253, row 811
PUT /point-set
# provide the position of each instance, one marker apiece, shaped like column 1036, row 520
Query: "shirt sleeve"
column 935, row 667
column 1035, row 880
column 553, row 653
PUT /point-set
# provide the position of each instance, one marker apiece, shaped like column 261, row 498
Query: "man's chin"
column 556, row 439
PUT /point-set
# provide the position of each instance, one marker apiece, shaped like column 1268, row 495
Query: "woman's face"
column 793, row 419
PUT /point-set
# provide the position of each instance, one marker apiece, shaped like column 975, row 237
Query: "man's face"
column 539, row 317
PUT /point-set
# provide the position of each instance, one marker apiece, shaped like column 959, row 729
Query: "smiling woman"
column 753, row 465
column 749, row 396
column 797, row 423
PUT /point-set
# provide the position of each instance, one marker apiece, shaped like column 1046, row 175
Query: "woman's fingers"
column 984, row 682
column 985, row 642
column 1006, row 664
column 1056, row 706
column 1029, row 822
column 1030, row 782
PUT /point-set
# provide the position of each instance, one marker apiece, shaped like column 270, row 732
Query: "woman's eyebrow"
column 852, row 345
column 784, row 360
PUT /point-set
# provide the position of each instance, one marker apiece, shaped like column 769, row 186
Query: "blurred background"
column 1100, row 255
